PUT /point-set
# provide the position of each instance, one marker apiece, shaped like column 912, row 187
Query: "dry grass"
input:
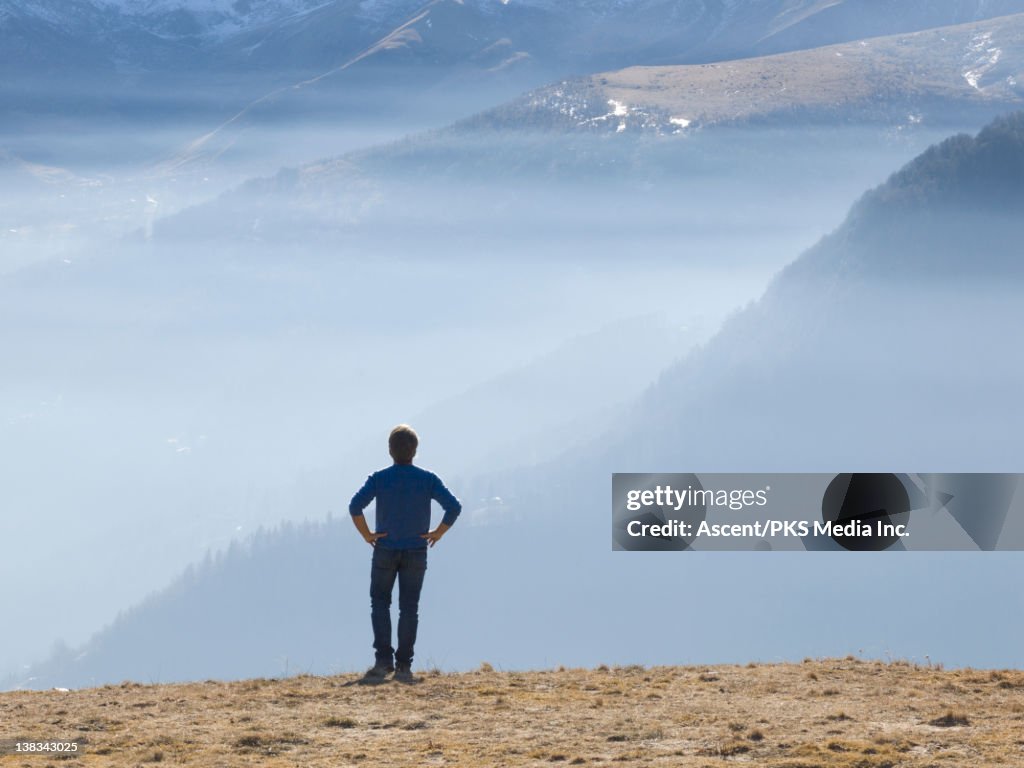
column 919, row 66
column 844, row 713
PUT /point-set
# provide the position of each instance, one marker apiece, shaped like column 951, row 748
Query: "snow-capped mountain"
column 564, row 37
column 209, row 18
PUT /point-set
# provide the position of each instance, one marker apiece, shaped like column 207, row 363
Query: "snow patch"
column 607, row 114
column 983, row 57
column 619, row 110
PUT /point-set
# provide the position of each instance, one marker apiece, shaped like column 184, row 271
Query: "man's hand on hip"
column 435, row 535
column 364, row 530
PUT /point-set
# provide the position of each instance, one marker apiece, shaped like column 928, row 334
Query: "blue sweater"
column 403, row 493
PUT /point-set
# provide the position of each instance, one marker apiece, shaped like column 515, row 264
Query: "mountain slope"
column 953, row 76
column 925, row 76
column 564, row 37
column 889, row 344
column 266, row 63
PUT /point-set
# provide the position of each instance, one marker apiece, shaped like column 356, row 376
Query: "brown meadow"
column 846, row 713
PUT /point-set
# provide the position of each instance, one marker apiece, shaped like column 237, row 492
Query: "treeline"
column 985, row 171
column 274, row 604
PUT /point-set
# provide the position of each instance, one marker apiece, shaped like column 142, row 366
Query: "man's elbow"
column 451, row 515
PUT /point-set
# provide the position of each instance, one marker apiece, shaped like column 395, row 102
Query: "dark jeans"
column 409, row 566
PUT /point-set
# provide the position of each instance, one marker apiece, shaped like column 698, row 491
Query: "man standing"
column 399, row 540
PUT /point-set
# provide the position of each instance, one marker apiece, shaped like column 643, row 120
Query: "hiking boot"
column 403, row 673
column 379, row 671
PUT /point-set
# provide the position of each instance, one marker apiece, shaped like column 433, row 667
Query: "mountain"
column 128, row 34
column 905, row 79
column 917, row 85
column 641, row 126
column 482, row 35
column 233, row 73
column 888, row 344
column 891, row 345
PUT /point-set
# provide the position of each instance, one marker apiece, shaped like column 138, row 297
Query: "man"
column 400, row 539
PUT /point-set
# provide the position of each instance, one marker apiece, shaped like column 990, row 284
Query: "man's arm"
column 435, row 535
column 359, row 502
column 364, row 530
column 451, row 506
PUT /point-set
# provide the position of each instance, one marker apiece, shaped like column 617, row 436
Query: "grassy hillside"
column 923, row 76
column 849, row 713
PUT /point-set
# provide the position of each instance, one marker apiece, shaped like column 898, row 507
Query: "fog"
column 172, row 383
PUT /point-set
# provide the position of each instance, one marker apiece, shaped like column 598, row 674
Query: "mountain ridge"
column 924, row 256
column 571, row 37
column 896, row 84
column 903, row 79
